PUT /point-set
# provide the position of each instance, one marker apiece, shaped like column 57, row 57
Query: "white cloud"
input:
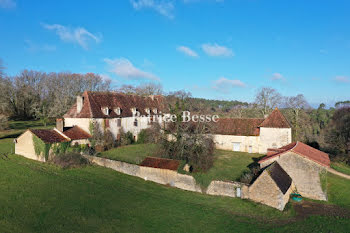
column 77, row 35
column 225, row 85
column 125, row 69
column 342, row 79
column 187, row 51
column 162, row 7
column 7, row 4
column 277, row 76
column 216, row 50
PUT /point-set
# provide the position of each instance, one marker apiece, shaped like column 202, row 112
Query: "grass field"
column 228, row 165
column 18, row 127
column 341, row 167
column 38, row 197
column 134, row 154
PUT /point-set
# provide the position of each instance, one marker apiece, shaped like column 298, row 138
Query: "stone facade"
column 127, row 123
column 304, row 173
column 274, row 138
column 24, row 146
column 268, row 138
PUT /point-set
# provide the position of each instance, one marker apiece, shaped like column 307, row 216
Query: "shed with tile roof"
column 306, row 166
column 273, row 187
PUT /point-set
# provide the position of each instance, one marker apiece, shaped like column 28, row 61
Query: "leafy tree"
column 338, row 135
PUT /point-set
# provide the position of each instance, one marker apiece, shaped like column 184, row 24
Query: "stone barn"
column 40, row 144
column 306, row 166
column 252, row 135
column 36, row 143
column 273, row 187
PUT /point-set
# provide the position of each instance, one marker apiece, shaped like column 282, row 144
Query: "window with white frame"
column 118, row 111
column 148, row 111
column 155, row 111
column 105, row 110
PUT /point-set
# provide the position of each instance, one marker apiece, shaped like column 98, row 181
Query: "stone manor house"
column 114, row 111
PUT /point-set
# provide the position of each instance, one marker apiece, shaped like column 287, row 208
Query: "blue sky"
column 217, row 49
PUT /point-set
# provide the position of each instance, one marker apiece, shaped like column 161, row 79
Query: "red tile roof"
column 275, row 120
column 237, row 126
column 93, row 102
column 302, row 150
column 161, row 163
column 49, row 135
column 76, row 133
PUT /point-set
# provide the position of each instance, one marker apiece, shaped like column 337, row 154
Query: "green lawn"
column 338, row 190
column 341, row 167
column 37, row 197
column 228, row 165
column 18, row 127
column 7, row 145
column 135, row 153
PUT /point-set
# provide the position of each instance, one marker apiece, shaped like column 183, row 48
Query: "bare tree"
column 127, row 89
column 144, row 89
column 296, row 104
column 266, row 99
column 147, row 89
column 40, row 95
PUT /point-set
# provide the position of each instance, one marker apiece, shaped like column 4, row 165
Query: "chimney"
column 59, row 124
column 152, row 97
column 79, row 103
column 266, row 115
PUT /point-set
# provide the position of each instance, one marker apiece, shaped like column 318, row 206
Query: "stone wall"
column 227, row 188
column 172, row 178
column 157, row 175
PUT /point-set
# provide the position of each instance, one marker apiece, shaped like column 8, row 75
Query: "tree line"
column 43, row 96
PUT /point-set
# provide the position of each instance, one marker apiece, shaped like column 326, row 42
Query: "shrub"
column 126, row 138
column 70, row 160
column 101, row 140
column 108, row 140
column 246, row 177
column 150, row 135
column 97, row 135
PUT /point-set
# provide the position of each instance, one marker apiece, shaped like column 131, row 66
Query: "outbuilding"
column 38, row 144
column 273, row 187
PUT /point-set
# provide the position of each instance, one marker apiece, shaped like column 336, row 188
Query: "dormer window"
column 155, row 111
column 148, row 111
column 105, row 110
column 118, row 111
column 134, row 111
